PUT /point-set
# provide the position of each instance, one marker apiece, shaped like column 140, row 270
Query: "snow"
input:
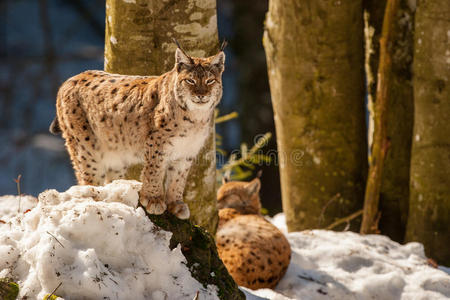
column 96, row 243
column 346, row 265
column 9, row 206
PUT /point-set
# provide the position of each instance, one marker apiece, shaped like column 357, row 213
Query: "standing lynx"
column 112, row 121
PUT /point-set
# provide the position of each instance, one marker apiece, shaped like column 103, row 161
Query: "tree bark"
column 314, row 50
column 429, row 210
column 138, row 41
column 394, row 192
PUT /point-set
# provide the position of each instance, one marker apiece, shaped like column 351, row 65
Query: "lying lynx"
column 255, row 252
column 112, row 121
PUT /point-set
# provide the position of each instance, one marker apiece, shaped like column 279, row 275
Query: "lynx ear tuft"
column 219, row 61
column 224, row 44
column 181, row 57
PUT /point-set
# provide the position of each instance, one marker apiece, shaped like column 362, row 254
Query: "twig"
column 345, row 220
column 246, row 156
column 380, row 141
column 227, row 117
column 196, row 296
column 322, row 213
column 17, row 180
column 54, row 291
column 56, row 239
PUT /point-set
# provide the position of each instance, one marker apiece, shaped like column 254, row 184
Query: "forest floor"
column 96, row 243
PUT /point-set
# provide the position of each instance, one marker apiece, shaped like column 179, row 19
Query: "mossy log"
column 200, row 250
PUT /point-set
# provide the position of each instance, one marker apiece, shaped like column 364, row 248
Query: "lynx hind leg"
column 81, row 145
column 84, row 159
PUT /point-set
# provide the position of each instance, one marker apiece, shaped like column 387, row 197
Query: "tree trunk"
column 429, row 210
column 138, row 41
column 315, row 58
column 395, row 181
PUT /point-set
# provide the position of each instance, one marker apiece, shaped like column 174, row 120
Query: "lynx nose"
column 202, row 99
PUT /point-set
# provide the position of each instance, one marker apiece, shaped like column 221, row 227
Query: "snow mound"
column 95, row 243
column 9, row 206
column 346, row 265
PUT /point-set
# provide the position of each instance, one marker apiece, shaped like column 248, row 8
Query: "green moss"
column 9, row 290
column 52, row 297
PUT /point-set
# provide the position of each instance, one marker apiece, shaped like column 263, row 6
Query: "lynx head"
column 199, row 80
column 241, row 195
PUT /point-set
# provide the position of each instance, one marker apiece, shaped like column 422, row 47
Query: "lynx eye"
column 190, row 81
column 210, row 81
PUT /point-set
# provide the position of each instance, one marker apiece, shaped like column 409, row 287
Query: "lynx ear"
column 182, row 58
column 253, row 186
column 219, row 61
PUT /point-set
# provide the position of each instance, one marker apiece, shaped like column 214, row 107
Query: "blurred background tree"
column 316, row 65
column 42, row 43
column 429, row 200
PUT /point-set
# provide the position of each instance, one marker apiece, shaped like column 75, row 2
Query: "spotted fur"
column 254, row 251
column 111, row 121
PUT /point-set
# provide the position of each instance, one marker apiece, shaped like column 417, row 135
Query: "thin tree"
column 394, row 190
column 429, row 210
column 380, row 140
column 315, row 62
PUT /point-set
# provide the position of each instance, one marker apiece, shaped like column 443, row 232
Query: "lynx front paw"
column 154, row 205
column 179, row 209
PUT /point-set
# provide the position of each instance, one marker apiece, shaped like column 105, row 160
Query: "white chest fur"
column 187, row 144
